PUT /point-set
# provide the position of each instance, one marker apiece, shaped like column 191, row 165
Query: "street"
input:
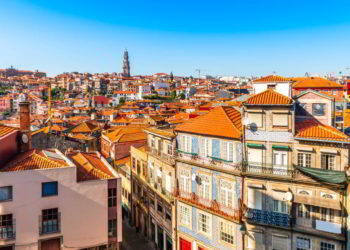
column 133, row 240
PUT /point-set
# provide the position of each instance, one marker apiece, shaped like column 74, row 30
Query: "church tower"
column 126, row 64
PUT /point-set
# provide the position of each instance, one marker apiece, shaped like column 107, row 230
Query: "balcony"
column 161, row 155
column 211, row 205
column 157, row 187
column 323, row 226
column 259, row 168
column 50, row 224
column 268, row 218
column 8, row 232
column 212, row 162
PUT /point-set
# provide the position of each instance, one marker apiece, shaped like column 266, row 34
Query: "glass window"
column 112, row 228
column 204, row 187
column 226, row 232
column 168, row 214
column 226, row 193
column 303, row 243
column 185, row 218
column 112, row 197
column 159, row 207
column 304, row 211
column 280, row 206
column 49, row 188
column 327, row 161
column 6, row 193
column 327, row 214
column 327, row 246
column 318, row 109
column 6, row 226
column 170, row 149
column 280, row 120
column 304, row 160
column 204, row 223
column 50, row 222
column 185, row 180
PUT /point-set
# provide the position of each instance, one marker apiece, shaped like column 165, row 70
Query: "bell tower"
column 126, row 64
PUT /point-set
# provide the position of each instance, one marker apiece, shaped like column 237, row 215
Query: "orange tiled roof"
column 316, row 82
column 222, row 121
column 85, row 127
column 89, row 166
column 126, row 134
column 4, row 130
column 30, row 160
column 162, row 132
column 272, row 78
column 269, row 97
column 312, row 129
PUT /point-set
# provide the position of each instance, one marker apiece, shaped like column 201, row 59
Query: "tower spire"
column 126, row 64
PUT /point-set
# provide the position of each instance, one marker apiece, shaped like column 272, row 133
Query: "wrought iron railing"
column 50, row 224
column 268, row 217
column 212, row 205
column 8, row 232
column 268, row 169
column 161, row 155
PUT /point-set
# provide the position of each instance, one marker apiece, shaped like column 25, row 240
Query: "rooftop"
column 315, row 82
column 272, row 78
column 269, row 97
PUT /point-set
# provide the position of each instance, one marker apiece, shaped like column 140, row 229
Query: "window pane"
column 49, row 188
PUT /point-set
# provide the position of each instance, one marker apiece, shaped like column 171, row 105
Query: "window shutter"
column 216, row 148
column 224, row 150
column 279, row 243
column 209, row 147
column 168, row 183
column 280, row 119
column 194, row 145
column 230, row 152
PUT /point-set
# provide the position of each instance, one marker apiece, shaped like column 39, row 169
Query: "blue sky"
column 221, row 37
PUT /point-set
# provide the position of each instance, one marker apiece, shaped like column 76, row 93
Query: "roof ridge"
column 47, row 159
column 336, row 132
column 224, row 108
column 93, row 167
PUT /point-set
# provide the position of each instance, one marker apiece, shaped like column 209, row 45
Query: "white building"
column 277, row 83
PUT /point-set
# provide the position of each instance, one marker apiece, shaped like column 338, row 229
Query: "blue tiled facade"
column 214, row 241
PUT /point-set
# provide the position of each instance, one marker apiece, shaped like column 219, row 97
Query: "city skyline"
column 289, row 40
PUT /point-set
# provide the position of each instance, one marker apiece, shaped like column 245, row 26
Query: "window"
column 6, row 226
column 226, row 193
column 327, row 214
column 112, row 228
column 133, row 163
column 280, row 120
column 112, row 197
column 153, row 143
column 327, row 161
column 138, row 168
column 303, row 243
column 304, row 211
column 280, row 206
column 170, row 149
column 255, row 119
column 304, row 160
column 151, row 202
column 256, row 242
column 226, row 232
column 168, row 214
column 50, row 221
column 227, row 151
column 327, row 246
column 318, row 109
column 204, row 223
column 279, row 242
column 6, row 193
column 159, row 207
column 203, row 188
column 185, row 214
column 271, row 86
column 254, row 198
column 49, row 189
column 185, row 180
column 334, row 92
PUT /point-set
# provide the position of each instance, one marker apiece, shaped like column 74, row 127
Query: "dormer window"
column 318, row 109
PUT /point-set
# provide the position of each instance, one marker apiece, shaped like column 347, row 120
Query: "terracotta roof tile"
column 126, row 134
column 312, row 129
column 4, row 130
column 269, row 97
column 316, row 82
column 272, row 78
column 85, row 127
column 162, row 132
column 222, row 121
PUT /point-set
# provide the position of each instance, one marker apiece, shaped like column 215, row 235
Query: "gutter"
column 307, row 139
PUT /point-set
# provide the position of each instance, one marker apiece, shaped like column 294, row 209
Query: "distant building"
column 15, row 72
column 126, row 64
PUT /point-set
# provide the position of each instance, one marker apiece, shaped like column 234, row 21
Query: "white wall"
column 83, row 207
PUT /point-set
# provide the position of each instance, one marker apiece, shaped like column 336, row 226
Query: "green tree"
column 182, row 96
column 173, row 94
column 121, row 101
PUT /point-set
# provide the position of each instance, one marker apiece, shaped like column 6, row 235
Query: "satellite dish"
column 288, row 196
column 25, row 138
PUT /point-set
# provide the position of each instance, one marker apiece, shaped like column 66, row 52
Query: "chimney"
column 24, row 121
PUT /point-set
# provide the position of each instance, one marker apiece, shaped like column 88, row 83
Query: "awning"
column 253, row 145
column 323, row 175
column 305, row 149
column 318, row 202
column 280, row 147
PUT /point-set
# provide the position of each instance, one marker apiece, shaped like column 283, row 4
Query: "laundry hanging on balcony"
column 323, row 175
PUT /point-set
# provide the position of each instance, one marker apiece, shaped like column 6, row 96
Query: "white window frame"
column 208, row 224
column 227, row 228
column 301, row 245
column 185, row 180
column 328, row 243
column 302, row 159
column 225, row 192
column 185, row 215
column 204, row 189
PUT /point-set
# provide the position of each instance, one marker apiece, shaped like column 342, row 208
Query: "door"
column 280, row 162
column 160, row 238
column 53, row 244
column 255, row 156
column 184, row 244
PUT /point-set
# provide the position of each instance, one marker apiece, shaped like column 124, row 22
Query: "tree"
column 173, row 94
column 121, row 101
column 182, row 96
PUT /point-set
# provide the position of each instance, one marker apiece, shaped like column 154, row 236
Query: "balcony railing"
column 209, row 161
column 8, row 232
column 268, row 217
column 161, row 155
column 260, row 168
column 50, row 225
column 212, row 205
column 325, row 226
